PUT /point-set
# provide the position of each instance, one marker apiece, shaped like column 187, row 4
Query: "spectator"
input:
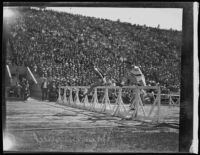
column 52, row 91
column 19, row 87
column 44, row 88
column 27, row 90
column 23, row 85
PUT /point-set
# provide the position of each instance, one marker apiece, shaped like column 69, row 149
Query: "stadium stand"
column 60, row 45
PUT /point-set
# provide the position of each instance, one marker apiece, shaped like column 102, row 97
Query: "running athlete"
column 100, row 79
column 134, row 76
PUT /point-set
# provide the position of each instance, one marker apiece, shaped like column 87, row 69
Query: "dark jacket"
column 43, row 85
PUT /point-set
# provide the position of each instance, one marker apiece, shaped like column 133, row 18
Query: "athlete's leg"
column 132, row 106
column 132, row 96
column 143, row 96
column 98, row 83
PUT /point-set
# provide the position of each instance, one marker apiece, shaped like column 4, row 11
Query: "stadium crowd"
column 60, row 46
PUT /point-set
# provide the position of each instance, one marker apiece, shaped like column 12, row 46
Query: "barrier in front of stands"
column 117, row 108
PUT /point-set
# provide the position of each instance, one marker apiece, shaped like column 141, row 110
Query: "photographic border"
column 187, row 68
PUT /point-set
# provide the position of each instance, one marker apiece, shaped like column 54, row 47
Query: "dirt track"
column 47, row 126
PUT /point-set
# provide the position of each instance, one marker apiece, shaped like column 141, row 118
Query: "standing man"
column 44, row 88
column 19, row 87
column 23, row 88
column 27, row 90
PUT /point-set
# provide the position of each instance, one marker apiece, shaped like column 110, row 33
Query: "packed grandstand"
column 61, row 46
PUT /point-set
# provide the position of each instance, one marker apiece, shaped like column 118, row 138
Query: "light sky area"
column 165, row 17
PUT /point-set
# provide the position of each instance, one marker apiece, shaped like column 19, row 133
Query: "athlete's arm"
column 98, row 73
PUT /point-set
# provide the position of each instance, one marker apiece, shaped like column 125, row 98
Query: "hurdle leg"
column 77, row 101
column 120, row 105
column 152, row 108
column 105, row 101
column 142, row 106
column 65, row 98
column 94, row 100
column 59, row 96
column 85, row 100
column 71, row 102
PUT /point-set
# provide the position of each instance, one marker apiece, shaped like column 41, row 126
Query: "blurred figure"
column 44, row 88
column 27, row 90
column 35, row 68
column 99, row 81
column 23, row 85
column 19, row 87
column 133, row 76
column 52, row 91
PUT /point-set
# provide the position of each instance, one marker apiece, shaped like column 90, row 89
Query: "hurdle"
column 172, row 102
column 106, row 102
column 94, row 102
column 117, row 109
column 85, row 100
column 59, row 100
